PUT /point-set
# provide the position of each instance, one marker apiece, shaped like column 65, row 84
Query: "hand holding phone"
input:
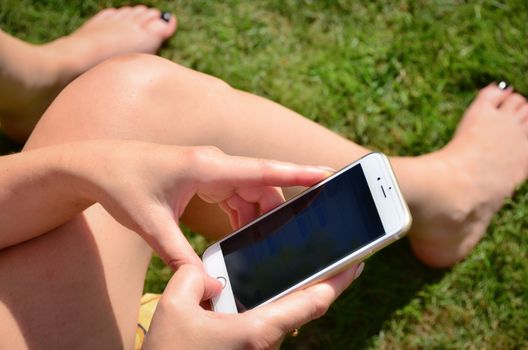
column 336, row 223
column 181, row 323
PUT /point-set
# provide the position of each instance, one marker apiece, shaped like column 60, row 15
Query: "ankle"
column 61, row 65
column 435, row 189
column 32, row 76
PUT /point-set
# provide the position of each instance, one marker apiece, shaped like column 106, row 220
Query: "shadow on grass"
column 391, row 279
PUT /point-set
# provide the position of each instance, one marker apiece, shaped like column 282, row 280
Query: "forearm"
column 36, row 193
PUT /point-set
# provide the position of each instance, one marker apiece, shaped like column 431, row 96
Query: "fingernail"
column 502, row 85
column 327, row 168
column 166, row 16
column 213, row 287
column 359, row 270
column 218, row 285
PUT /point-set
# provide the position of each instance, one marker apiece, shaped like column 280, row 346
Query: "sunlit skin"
column 32, row 75
column 153, row 142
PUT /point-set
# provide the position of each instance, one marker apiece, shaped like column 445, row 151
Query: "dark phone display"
column 301, row 239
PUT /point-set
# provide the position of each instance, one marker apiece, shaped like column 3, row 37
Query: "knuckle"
column 265, row 166
column 258, row 342
column 203, row 158
column 169, row 302
column 211, row 149
column 257, row 326
column 319, row 310
column 261, row 334
column 179, row 259
column 170, row 305
column 317, row 306
column 201, row 154
column 264, row 163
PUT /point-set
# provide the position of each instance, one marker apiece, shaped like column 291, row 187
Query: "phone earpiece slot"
column 383, row 190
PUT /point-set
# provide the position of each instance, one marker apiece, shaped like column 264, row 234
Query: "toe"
column 123, row 12
column 150, row 15
column 139, row 11
column 492, row 94
column 102, row 15
column 513, row 102
column 525, row 126
column 154, row 24
column 522, row 113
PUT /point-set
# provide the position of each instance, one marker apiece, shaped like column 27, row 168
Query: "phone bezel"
column 393, row 211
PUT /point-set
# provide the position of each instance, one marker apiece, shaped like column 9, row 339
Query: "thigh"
column 76, row 287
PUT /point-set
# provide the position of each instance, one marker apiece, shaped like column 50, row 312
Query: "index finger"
column 249, row 172
column 296, row 309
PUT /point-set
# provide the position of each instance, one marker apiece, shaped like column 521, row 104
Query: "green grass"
column 394, row 76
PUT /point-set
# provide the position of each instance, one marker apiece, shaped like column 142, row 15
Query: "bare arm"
column 35, row 193
column 145, row 187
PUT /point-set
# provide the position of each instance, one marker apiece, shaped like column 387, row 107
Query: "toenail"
column 166, row 16
column 502, row 85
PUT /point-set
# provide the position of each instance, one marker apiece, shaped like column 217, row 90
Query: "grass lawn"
column 394, row 76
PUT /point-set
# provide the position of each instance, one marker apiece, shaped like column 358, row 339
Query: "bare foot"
column 464, row 184
column 31, row 76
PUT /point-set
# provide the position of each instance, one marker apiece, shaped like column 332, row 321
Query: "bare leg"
column 482, row 165
column 32, row 75
column 452, row 192
column 148, row 98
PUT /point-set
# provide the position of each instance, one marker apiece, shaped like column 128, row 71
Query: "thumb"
column 187, row 285
column 166, row 238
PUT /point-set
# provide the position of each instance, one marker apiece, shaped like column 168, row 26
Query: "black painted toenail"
column 166, row 16
column 502, row 85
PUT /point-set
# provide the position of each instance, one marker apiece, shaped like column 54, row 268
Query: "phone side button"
column 222, row 281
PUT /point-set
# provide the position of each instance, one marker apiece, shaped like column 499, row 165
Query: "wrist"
column 72, row 168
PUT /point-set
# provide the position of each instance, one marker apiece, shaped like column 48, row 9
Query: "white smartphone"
column 340, row 221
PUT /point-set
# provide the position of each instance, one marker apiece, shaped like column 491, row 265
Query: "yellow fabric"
column 146, row 311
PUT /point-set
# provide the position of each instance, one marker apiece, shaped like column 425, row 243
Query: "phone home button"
column 222, row 281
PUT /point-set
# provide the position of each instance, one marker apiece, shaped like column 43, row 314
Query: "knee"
column 136, row 82
column 126, row 92
column 145, row 74
column 130, row 71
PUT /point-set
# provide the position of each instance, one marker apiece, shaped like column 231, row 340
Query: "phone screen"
column 301, row 238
